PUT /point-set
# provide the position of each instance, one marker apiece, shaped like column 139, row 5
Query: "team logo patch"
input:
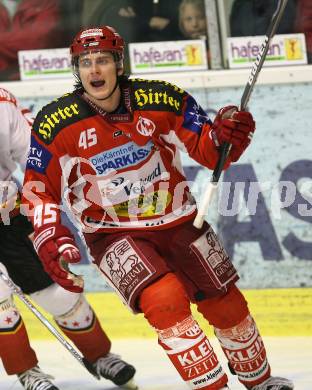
column 38, row 157
column 125, row 268
column 145, row 126
column 214, row 259
column 195, row 116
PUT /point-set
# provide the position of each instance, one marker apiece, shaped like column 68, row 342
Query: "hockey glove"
column 56, row 248
column 234, row 127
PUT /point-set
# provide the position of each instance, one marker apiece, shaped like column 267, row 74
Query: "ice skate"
column 118, row 371
column 274, row 383
column 35, row 379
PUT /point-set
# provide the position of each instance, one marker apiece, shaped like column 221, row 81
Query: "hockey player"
column 18, row 258
column 111, row 149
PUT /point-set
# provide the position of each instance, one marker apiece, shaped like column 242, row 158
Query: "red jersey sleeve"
column 189, row 130
column 42, row 184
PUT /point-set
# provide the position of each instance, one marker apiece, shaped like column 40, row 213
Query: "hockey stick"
column 16, row 290
column 255, row 70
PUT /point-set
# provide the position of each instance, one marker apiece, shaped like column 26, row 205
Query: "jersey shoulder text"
column 156, row 95
column 59, row 114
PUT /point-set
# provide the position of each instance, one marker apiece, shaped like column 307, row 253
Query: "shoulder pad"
column 6, row 96
column 157, row 95
column 59, row 114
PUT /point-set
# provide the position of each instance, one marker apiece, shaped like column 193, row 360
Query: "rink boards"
column 278, row 312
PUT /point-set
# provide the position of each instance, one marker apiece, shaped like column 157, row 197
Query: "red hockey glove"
column 56, row 248
column 234, row 127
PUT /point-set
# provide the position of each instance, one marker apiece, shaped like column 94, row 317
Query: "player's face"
column 97, row 71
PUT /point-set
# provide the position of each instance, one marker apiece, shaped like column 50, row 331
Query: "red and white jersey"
column 14, row 134
column 120, row 170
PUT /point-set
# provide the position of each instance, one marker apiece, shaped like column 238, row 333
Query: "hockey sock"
column 15, row 350
column 244, row 349
column 167, row 308
column 238, row 336
column 83, row 328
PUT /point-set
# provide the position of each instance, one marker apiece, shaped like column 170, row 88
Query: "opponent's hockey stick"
column 255, row 70
column 16, row 290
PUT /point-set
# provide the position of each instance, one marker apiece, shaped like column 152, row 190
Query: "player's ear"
column 120, row 71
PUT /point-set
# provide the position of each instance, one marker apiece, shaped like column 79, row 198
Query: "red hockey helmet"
column 98, row 38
